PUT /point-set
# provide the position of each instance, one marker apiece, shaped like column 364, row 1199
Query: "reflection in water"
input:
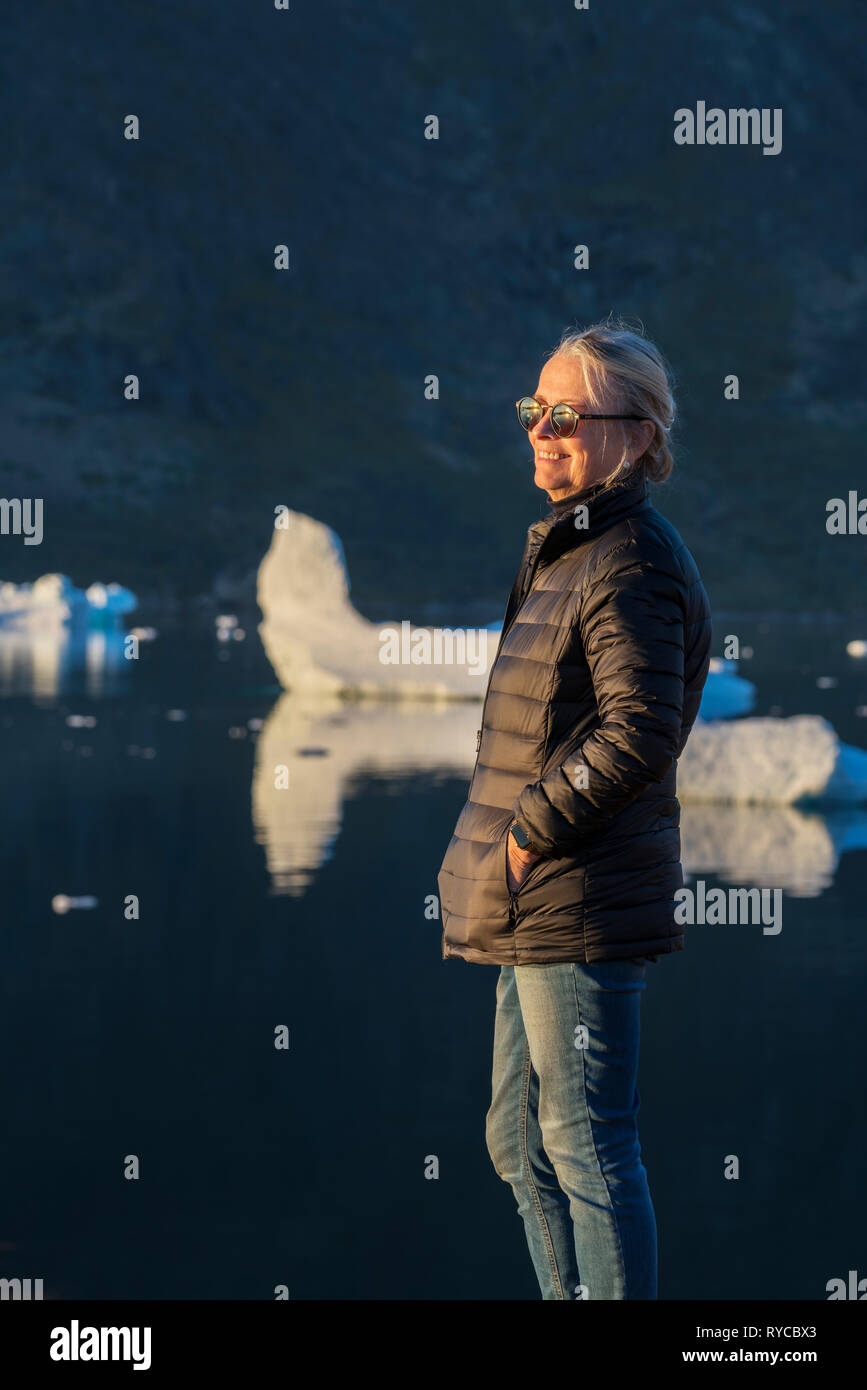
column 125, row 796
column 323, row 745
column 310, row 752
column 41, row 663
column 769, row 846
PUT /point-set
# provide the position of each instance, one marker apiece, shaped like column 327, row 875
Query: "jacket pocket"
column 539, row 863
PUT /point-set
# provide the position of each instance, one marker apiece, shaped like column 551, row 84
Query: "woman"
column 565, row 859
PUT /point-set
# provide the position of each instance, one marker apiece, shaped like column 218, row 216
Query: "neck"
column 559, row 506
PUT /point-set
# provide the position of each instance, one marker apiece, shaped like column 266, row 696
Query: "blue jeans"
column 562, row 1128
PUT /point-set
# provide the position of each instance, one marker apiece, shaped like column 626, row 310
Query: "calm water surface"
column 305, row 907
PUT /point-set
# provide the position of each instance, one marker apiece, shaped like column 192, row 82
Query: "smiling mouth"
column 550, row 457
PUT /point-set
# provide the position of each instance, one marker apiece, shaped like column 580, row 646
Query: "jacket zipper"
column 503, row 634
column 513, row 897
column 507, row 625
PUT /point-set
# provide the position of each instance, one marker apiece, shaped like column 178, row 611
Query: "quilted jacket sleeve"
column 631, row 620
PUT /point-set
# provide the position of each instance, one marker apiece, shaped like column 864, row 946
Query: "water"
column 306, row 907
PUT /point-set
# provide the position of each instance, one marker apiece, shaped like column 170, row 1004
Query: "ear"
column 641, row 437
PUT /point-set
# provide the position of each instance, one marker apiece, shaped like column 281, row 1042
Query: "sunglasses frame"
column 578, row 414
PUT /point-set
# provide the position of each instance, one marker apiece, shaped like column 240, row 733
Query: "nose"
column 544, row 429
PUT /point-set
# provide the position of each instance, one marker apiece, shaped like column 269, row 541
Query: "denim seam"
column 593, row 1142
column 537, row 1202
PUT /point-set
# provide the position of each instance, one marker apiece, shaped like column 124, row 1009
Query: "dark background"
column 305, row 388
column 305, row 1167
column 409, row 257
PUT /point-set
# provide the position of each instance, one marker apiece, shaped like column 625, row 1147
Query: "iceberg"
column 49, row 628
column 109, row 601
column 317, row 641
column 53, row 601
column 771, row 761
column 726, row 694
column 312, row 755
column 320, row 645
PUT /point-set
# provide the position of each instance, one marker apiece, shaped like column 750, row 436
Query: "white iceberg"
column 771, row 761
column 320, row 645
column 50, row 628
column 110, row 600
column 53, row 601
column 726, row 694
column 312, row 756
column 317, row 641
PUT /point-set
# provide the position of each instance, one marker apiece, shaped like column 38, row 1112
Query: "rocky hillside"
column 411, row 257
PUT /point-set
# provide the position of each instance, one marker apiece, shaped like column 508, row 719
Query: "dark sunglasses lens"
column 563, row 420
column 529, row 412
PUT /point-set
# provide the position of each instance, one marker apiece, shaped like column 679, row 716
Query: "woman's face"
column 592, row 453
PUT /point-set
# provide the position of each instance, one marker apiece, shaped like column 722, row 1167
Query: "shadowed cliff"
column 410, row 257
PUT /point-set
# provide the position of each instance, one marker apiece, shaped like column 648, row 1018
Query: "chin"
column 551, row 484
column 561, row 485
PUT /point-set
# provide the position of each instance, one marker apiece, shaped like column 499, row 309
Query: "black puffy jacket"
column 594, row 688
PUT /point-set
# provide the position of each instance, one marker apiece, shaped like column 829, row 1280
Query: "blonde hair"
column 626, row 371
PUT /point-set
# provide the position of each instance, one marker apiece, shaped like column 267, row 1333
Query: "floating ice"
column 53, row 601
column 61, row 903
column 782, row 761
column 49, row 628
column 111, row 599
column 317, row 641
column 327, row 745
column 726, row 694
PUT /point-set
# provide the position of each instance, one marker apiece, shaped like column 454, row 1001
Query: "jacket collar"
column 555, row 534
column 603, row 508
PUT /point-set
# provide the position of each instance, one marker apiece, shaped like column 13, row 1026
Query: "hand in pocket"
column 519, row 862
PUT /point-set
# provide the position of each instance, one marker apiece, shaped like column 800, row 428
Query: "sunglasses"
column 564, row 419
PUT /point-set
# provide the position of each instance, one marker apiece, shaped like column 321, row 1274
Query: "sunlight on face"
column 593, row 451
